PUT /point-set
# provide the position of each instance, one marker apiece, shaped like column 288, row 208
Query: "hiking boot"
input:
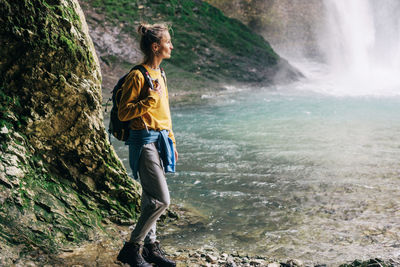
column 154, row 254
column 131, row 254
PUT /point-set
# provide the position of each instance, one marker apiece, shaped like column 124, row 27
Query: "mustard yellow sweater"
column 151, row 109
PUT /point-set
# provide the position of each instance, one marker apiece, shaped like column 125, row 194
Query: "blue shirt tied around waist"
column 138, row 138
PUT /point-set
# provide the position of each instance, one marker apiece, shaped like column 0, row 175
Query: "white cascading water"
column 361, row 44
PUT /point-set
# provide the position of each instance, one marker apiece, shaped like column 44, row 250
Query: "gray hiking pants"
column 155, row 195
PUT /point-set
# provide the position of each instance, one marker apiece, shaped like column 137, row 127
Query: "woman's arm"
column 129, row 106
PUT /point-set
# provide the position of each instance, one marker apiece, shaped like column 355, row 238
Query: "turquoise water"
column 291, row 174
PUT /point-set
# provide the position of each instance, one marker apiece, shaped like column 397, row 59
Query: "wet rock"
column 4, row 130
column 195, row 255
column 257, row 262
column 294, row 262
column 211, row 258
column 5, row 181
column 287, row 20
column 245, row 260
column 224, row 256
column 274, row 264
column 230, row 263
column 14, row 171
column 27, row 264
column 54, row 146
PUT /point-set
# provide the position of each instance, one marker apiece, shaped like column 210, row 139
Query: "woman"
column 147, row 109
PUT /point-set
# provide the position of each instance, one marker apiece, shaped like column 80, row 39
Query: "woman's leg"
column 155, row 194
column 151, row 236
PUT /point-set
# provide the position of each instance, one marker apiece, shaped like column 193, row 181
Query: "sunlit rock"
column 60, row 178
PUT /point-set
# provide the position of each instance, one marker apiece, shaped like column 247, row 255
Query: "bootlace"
column 140, row 259
column 159, row 250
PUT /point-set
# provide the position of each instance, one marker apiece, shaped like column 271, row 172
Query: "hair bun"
column 142, row 29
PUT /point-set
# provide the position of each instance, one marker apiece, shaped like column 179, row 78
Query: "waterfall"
column 361, row 44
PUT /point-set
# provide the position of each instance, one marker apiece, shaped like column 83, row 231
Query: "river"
column 291, row 173
column 309, row 170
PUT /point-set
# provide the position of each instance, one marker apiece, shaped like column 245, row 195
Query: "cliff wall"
column 60, row 180
column 290, row 26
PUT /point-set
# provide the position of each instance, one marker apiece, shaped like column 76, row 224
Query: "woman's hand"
column 156, row 88
column 176, row 155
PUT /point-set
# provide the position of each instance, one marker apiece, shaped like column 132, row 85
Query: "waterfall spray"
column 361, row 44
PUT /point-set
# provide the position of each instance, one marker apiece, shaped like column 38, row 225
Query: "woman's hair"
column 150, row 33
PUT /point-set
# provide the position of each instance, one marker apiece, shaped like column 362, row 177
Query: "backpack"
column 120, row 129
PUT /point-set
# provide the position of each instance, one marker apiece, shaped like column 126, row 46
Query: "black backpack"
column 120, row 129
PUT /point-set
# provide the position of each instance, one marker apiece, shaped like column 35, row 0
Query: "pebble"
column 224, row 256
column 230, row 264
column 4, row 130
column 211, row 258
column 297, row 262
column 194, row 255
column 257, row 262
column 123, row 233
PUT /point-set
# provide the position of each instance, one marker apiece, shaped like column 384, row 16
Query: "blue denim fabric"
column 138, row 138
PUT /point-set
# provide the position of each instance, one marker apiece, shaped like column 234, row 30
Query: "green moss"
column 7, row 103
column 71, row 14
column 53, row 211
column 68, row 44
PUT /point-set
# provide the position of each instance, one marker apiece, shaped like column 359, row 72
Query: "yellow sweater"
column 151, row 109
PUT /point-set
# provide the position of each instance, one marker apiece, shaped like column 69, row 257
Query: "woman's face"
column 165, row 46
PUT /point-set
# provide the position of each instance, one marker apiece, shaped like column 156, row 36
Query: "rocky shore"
column 102, row 250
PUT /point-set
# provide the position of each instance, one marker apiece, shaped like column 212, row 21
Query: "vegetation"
column 209, row 48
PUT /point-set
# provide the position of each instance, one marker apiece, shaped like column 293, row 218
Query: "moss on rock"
column 59, row 177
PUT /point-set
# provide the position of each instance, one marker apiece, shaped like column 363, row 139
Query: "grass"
column 209, row 47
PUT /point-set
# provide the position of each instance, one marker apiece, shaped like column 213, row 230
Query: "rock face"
column 60, row 180
column 290, row 26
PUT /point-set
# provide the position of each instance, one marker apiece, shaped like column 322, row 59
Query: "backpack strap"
column 148, row 80
column 163, row 75
column 145, row 74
